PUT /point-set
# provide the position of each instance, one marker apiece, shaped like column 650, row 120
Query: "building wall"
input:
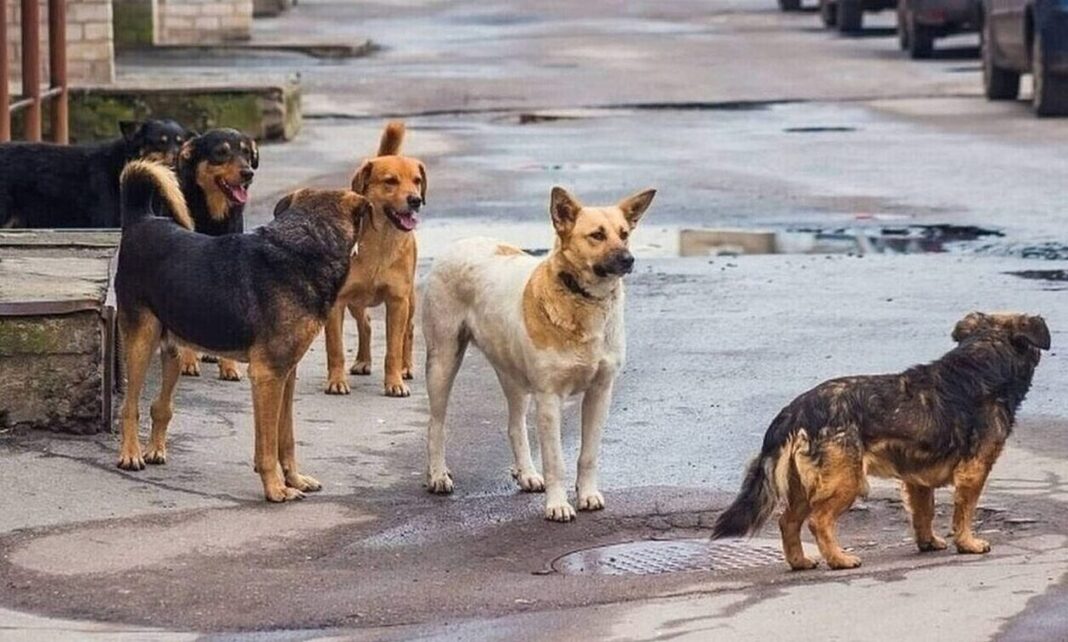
column 90, row 42
column 188, row 22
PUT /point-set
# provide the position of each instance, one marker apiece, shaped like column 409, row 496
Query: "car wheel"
column 902, row 27
column 921, row 39
column 1051, row 91
column 790, row 5
column 998, row 83
column 850, row 16
column 828, row 13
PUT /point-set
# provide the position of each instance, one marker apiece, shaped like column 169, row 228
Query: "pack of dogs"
column 192, row 285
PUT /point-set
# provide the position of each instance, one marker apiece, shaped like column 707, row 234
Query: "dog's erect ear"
column 284, row 203
column 564, row 209
column 634, row 207
column 1032, row 331
column 422, row 187
column 130, row 129
column 362, row 177
column 254, row 148
column 967, row 326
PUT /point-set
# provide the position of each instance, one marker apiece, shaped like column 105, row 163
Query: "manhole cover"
column 670, row 556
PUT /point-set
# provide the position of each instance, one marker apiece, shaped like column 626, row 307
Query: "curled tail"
column 765, row 482
column 392, row 138
column 141, row 182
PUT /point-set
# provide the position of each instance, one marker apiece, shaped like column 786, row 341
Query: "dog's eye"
column 623, row 234
column 599, row 235
column 417, row 180
column 391, row 180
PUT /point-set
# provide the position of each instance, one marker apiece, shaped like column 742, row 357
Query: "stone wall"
column 193, row 22
column 90, row 44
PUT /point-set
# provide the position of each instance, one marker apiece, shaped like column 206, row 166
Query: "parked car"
column 1027, row 36
column 919, row 22
column 848, row 15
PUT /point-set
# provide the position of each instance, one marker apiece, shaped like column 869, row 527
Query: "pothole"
column 654, row 557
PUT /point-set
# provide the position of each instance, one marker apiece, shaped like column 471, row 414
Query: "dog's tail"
column 766, row 480
column 392, row 138
column 141, row 182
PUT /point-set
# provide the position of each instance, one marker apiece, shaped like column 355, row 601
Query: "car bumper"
column 1054, row 27
column 943, row 13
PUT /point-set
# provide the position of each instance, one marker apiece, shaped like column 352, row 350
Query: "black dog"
column 932, row 425
column 215, row 171
column 261, row 298
column 43, row 185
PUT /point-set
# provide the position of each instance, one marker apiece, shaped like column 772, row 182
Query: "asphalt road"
column 741, row 117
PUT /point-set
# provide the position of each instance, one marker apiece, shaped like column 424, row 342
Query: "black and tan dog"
column 64, row 186
column 260, row 298
column 215, row 171
column 932, row 425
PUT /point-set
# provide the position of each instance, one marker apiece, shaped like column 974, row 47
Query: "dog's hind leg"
column 594, row 413
column 557, row 507
column 921, row 505
column 523, row 470
column 445, row 348
column 190, row 362
column 287, row 451
column 163, row 407
column 362, row 365
column 968, row 481
column 336, row 383
column 140, row 336
column 839, row 481
column 268, row 393
column 797, row 511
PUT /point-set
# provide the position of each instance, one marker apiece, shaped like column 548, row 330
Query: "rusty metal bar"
column 57, row 66
column 26, row 102
column 31, row 67
column 5, row 78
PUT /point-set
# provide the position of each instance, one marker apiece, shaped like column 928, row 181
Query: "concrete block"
column 706, row 242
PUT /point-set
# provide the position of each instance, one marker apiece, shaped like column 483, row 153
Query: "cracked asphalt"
column 742, row 117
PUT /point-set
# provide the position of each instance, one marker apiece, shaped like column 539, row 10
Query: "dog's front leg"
column 287, row 450
column 268, row 391
column 968, row 481
column 336, row 381
column 557, row 507
column 396, row 327
column 594, row 412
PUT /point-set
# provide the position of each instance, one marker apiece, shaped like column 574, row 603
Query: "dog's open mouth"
column 404, row 221
column 237, row 193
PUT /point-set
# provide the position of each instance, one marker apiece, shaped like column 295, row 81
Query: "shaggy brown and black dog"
column 930, row 426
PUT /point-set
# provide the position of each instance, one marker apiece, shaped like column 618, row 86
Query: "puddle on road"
column 1054, row 279
column 818, row 129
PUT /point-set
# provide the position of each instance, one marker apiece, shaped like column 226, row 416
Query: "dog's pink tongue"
column 239, row 193
column 408, row 222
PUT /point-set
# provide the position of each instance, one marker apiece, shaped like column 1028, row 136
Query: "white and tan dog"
column 551, row 328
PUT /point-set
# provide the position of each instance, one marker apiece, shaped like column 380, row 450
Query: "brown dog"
column 384, row 269
column 936, row 424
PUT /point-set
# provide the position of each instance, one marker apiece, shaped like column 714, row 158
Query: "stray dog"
column 384, row 269
column 932, row 425
column 215, row 171
column 43, row 185
column 260, row 298
column 551, row 328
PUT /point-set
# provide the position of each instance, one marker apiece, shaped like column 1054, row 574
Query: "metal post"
column 5, row 78
column 57, row 62
column 31, row 67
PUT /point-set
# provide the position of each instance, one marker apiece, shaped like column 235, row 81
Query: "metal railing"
column 33, row 98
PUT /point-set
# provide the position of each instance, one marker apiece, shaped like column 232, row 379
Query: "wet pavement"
column 900, row 198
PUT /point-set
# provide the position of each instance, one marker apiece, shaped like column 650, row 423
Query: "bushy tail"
column 765, row 482
column 140, row 183
column 392, row 138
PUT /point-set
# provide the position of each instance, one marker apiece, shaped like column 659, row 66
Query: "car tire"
column 902, row 27
column 999, row 83
column 850, row 16
column 921, row 39
column 1051, row 91
column 828, row 13
column 790, row 5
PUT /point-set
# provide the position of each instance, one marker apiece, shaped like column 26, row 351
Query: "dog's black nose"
column 625, row 260
column 247, row 174
column 414, row 202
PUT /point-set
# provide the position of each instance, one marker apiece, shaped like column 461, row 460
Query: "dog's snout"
column 247, row 174
column 415, row 202
column 625, row 261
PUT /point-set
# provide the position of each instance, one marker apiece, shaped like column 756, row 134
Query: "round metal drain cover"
column 670, row 556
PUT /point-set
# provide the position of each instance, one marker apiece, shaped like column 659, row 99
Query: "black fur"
column 216, row 147
column 43, row 185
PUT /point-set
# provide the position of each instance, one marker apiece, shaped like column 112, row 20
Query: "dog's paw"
column 156, row 456
column 303, row 483
column 439, row 483
column 936, row 543
column 362, row 368
column 529, row 481
column 338, row 387
column 131, row 458
column 282, row 494
column 406, row 374
column 591, row 501
column 559, row 511
column 191, row 368
column 397, row 389
column 209, row 358
column 972, row 546
column 843, row 561
column 229, row 372
column 803, row 564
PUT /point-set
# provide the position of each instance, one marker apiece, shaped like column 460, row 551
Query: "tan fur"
column 168, row 185
column 509, row 250
column 217, row 201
